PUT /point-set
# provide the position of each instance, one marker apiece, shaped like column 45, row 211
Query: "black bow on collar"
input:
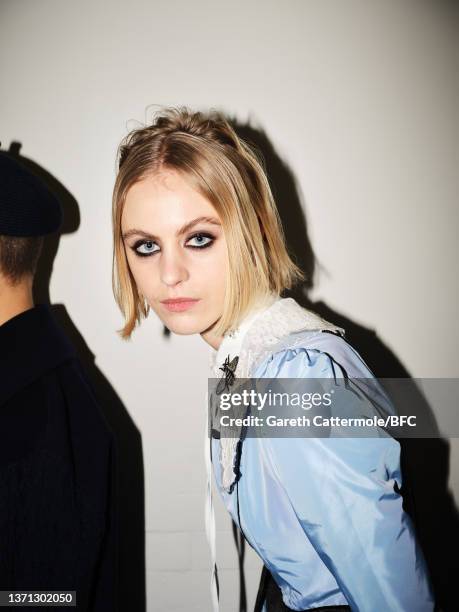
column 228, row 368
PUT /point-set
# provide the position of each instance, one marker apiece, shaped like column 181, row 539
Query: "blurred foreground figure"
column 57, row 454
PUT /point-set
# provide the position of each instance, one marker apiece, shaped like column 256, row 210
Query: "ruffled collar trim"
column 252, row 342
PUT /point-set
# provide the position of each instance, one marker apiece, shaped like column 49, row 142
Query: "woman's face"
column 176, row 251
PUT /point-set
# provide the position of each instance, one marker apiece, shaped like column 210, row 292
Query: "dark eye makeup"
column 145, row 248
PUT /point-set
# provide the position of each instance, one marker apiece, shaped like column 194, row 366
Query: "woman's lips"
column 180, row 304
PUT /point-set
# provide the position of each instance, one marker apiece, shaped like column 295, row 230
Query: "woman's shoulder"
column 312, row 353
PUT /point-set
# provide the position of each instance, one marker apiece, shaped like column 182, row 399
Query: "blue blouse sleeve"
column 342, row 491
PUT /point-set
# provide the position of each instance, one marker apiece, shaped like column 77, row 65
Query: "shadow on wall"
column 425, row 462
column 131, row 536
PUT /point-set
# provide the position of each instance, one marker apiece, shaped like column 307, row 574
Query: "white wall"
column 359, row 98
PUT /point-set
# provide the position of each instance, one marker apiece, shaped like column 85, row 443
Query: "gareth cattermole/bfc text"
column 317, row 421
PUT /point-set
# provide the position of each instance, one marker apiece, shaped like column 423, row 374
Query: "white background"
column 358, row 98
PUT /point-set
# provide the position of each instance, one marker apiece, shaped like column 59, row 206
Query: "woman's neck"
column 257, row 308
column 211, row 338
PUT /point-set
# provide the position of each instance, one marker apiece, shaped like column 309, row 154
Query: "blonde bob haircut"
column 218, row 164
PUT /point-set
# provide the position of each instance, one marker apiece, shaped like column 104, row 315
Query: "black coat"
column 57, row 469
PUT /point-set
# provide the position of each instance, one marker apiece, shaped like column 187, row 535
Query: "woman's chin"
column 184, row 328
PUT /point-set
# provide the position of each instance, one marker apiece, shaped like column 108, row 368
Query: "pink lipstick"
column 179, row 304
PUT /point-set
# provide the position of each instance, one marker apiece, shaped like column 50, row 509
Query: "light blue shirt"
column 322, row 513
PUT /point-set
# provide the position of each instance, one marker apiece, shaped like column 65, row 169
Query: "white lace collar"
column 253, row 341
column 231, row 344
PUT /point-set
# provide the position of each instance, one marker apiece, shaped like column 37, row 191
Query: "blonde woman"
column 197, row 239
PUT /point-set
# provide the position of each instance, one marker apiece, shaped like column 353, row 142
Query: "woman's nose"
column 172, row 267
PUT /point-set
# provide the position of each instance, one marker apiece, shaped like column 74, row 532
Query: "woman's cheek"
column 146, row 281
column 139, row 275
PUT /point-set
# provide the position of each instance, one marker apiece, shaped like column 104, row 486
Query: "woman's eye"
column 147, row 247
column 200, row 241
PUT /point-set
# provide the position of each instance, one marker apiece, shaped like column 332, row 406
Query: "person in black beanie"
column 58, row 514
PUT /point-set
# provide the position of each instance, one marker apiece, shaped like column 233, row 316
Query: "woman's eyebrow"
column 183, row 230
